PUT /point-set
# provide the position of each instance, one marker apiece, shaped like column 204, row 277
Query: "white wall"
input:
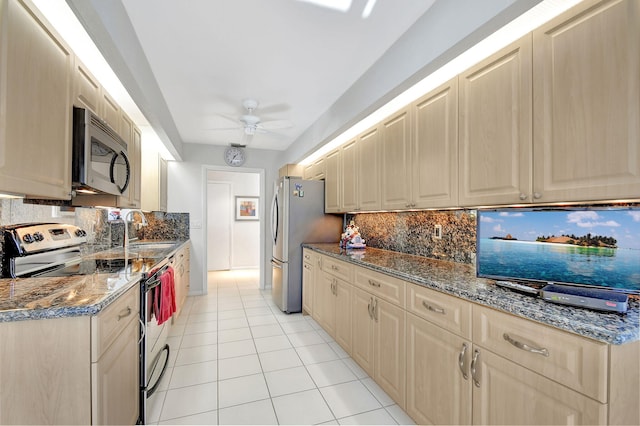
column 186, row 193
column 245, row 235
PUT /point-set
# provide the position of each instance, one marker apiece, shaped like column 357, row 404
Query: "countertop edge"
column 523, row 306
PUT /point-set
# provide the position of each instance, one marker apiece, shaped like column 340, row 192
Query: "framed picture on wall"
column 247, row 208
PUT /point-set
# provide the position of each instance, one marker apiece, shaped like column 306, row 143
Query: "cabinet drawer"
column 309, row 256
column 108, row 324
column 448, row 312
column 385, row 286
column 576, row 362
column 338, row 268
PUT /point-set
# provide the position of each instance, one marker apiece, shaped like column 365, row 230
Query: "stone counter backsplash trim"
column 413, row 233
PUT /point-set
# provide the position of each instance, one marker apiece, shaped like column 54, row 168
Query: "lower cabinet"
column 438, row 382
column 310, row 268
column 72, row 370
column 378, row 344
column 181, row 270
column 446, row 360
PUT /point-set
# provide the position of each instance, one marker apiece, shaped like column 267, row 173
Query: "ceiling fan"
column 251, row 123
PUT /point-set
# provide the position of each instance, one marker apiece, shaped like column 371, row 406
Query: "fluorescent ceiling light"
column 58, row 13
column 524, row 24
column 339, row 5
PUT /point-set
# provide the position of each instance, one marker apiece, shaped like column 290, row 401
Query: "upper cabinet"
column 434, row 150
column 396, row 160
column 35, row 88
column 368, row 170
column 495, row 128
column 349, row 176
column 154, row 182
column 315, row 171
column 586, row 108
column 87, row 92
column 332, row 182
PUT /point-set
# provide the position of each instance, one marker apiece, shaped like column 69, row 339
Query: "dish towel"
column 165, row 299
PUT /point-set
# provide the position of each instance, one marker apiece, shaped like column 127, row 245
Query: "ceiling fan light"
column 250, row 130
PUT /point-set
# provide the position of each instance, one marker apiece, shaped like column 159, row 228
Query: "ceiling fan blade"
column 226, row 119
column 224, row 128
column 275, row 124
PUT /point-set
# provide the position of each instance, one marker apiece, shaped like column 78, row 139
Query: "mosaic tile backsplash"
column 413, row 233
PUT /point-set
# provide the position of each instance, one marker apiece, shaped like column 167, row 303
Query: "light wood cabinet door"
column 131, row 135
column 439, row 389
column 35, row 101
column 86, row 92
column 510, row 394
column 495, row 128
column 368, row 152
column 389, row 357
column 324, row 303
column 349, row 176
column 315, row 171
column 586, row 71
column 396, row 161
column 435, row 148
column 362, row 344
column 110, row 111
column 332, row 182
column 115, row 380
column 308, row 284
column 343, row 295
column 164, row 181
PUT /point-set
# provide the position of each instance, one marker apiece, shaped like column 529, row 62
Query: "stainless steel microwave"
column 100, row 161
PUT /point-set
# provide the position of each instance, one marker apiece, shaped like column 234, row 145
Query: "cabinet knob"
column 523, row 196
column 537, row 195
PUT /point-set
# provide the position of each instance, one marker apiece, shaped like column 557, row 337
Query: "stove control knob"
column 37, row 236
column 80, row 233
column 28, row 238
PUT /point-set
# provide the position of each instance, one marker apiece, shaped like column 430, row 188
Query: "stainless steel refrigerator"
column 297, row 216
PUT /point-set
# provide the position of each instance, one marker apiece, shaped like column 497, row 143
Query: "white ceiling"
column 294, row 57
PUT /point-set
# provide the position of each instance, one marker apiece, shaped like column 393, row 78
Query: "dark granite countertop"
column 75, row 295
column 460, row 280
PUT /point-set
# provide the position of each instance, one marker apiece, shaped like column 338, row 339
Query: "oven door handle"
column 143, row 330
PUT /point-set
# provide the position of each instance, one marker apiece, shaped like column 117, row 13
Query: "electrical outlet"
column 437, row 231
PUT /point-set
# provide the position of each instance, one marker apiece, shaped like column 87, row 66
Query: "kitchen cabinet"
column 379, row 330
column 85, row 369
column 395, row 170
column 291, row 170
column 310, row 268
column 434, row 150
column 332, row 300
column 132, row 137
column 110, row 111
column 348, row 177
column 359, row 178
column 86, row 88
column 586, row 127
column 438, row 388
column 495, row 133
column 332, row 182
column 315, row 171
column 181, row 273
column 35, row 100
column 154, row 181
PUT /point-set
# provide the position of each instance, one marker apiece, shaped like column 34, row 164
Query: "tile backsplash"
column 413, row 233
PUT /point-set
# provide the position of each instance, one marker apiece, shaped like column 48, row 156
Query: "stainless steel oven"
column 100, row 160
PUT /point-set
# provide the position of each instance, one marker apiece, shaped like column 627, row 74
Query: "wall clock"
column 234, row 156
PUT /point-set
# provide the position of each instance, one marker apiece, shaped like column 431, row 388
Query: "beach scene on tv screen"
column 590, row 247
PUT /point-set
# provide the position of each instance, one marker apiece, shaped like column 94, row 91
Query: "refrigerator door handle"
column 276, row 264
column 274, row 216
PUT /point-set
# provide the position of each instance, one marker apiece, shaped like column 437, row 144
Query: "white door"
column 219, row 219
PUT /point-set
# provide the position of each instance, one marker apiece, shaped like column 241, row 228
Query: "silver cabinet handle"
column 375, row 310
column 537, row 195
column 462, row 361
column 432, row 308
column 523, row 196
column 369, row 307
column 525, row 347
column 127, row 312
column 474, row 371
column 374, row 284
column 306, row 256
column 335, row 268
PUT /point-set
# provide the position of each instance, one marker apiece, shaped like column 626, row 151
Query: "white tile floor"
column 237, row 359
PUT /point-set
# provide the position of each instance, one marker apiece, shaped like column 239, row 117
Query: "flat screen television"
column 594, row 248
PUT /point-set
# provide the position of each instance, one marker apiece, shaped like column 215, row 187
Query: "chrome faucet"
column 125, row 243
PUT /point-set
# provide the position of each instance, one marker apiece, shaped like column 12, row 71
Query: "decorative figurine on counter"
column 351, row 238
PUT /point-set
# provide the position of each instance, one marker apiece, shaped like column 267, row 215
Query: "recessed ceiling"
column 294, row 57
